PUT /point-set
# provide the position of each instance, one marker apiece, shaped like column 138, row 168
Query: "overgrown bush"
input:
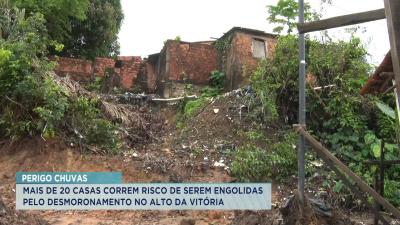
column 95, row 85
column 217, row 81
column 253, row 164
column 90, row 129
column 336, row 113
column 32, row 102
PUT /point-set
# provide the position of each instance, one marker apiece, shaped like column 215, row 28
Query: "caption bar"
column 105, row 191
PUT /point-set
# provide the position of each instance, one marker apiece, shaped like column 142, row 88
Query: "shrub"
column 90, row 129
column 32, row 103
column 95, row 85
column 338, row 115
column 217, row 79
column 254, row 164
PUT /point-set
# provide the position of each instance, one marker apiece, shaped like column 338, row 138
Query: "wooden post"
column 392, row 11
column 341, row 21
column 321, row 150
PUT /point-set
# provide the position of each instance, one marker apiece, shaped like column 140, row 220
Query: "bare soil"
column 186, row 155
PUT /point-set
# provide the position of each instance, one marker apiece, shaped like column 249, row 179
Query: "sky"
column 147, row 24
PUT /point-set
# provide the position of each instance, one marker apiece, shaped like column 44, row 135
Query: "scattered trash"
column 220, row 163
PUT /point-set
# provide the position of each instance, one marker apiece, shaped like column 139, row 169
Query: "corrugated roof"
column 379, row 82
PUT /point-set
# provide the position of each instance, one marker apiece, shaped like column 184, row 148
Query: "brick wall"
column 101, row 64
column 178, row 62
column 190, row 61
column 239, row 61
column 85, row 70
column 129, row 70
column 78, row 69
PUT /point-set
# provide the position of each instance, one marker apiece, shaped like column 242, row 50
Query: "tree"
column 86, row 28
column 97, row 35
column 285, row 13
column 57, row 14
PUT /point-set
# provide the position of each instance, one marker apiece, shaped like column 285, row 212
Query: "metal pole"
column 302, row 105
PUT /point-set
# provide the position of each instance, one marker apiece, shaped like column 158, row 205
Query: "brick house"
column 180, row 63
column 239, row 51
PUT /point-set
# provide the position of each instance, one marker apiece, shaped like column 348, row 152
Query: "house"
column 182, row 65
column 178, row 65
column 239, row 51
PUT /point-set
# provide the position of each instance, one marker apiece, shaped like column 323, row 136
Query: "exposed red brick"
column 78, row 69
column 101, row 64
column 82, row 70
column 190, row 61
column 129, row 70
column 239, row 62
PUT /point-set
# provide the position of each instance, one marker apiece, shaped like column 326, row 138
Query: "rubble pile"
column 213, row 135
column 138, row 122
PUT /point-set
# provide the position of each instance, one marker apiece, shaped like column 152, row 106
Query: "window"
column 259, row 49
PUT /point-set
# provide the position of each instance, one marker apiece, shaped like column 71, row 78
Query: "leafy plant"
column 96, row 84
column 285, row 13
column 85, row 28
column 32, row 102
column 178, row 38
column 352, row 126
column 254, row 164
column 90, row 129
column 217, row 79
column 216, row 87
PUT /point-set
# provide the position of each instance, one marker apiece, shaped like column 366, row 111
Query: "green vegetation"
column 222, row 44
column 95, row 85
column 33, row 103
column 86, row 28
column 253, row 164
column 90, row 128
column 350, row 125
column 285, row 13
column 192, row 107
column 217, row 81
column 178, row 38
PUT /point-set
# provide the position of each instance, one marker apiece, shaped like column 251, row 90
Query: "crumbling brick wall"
column 101, row 64
column 129, row 70
column 78, row 69
column 181, row 63
column 86, row 70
